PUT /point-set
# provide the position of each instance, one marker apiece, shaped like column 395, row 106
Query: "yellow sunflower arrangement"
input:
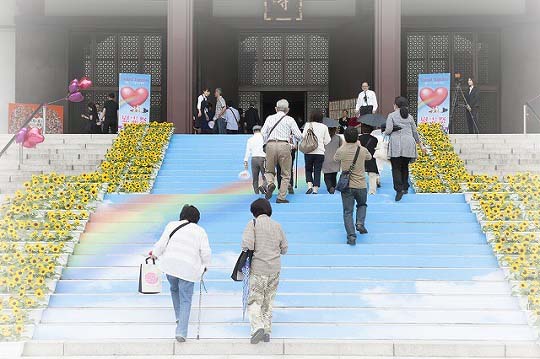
column 510, row 217
column 441, row 170
column 38, row 229
column 132, row 163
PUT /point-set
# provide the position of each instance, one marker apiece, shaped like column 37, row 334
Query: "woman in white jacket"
column 315, row 159
column 183, row 254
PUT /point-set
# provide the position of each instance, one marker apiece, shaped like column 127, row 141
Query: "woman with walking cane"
column 267, row 240
column 183, row 254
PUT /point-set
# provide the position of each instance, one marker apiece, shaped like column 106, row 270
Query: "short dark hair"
column 351, row 135
column 261, row 206
column 190, row 213
column 112, row 95
column 316, row 116
column 206, row 89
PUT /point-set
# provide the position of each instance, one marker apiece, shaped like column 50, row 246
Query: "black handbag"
column 237, row 274
column 345, row 177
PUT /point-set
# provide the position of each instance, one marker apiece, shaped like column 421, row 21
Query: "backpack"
column 310, row 142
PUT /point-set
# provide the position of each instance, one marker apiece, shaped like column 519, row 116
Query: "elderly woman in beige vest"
column 267, row 239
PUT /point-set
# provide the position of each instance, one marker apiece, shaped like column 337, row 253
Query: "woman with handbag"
column 267, row 240
column 314, row 139
column 183, row 254
column 401, row 128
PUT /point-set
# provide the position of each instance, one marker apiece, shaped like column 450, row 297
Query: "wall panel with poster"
column 18, row 113
column 134, row 99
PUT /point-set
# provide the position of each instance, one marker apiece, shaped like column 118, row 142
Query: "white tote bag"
column 149, row 277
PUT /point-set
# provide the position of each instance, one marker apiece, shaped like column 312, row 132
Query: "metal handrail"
column 527, row 108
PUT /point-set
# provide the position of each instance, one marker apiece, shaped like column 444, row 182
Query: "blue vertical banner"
column 434, row 99
column 134, row 99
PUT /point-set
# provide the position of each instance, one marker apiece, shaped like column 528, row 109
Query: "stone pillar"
column 387, row 53
column 180, row 64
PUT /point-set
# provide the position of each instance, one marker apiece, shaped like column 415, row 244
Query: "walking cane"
column 296, row 171
column 201, row 286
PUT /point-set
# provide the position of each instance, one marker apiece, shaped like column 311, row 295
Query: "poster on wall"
column 283, row 10
column 434, row 99
column 134, row 97
column 18, row 113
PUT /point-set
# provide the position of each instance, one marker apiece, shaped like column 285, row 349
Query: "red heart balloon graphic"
column 134, row 97
column 33, row 137
column 433, row 98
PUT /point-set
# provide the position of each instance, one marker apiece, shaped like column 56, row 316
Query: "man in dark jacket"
column 472, row 96
column 251, row 118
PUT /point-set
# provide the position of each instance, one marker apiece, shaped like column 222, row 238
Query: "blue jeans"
column 220, row 127
column 349, row 198
column 181, row 293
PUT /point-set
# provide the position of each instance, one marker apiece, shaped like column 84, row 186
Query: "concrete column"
column 180, row 64
column 7, row 61
column 387, row 52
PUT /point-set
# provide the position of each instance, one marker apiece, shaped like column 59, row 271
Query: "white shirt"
column 283, row 132
column 200, row 100
column 232, row 116
column 323, row 136
column 254, row 146
column 187, row 253
column 371, row 100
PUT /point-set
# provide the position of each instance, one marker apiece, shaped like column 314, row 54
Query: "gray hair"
column 282, row 105
column 219, row 90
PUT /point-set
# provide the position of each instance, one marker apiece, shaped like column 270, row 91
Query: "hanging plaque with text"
column 283, row 10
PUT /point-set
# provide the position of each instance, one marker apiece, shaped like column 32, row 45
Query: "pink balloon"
column 73, row 86
column 85, row 83
column 33, row 137
column 76, row 97
column 134, row 97
column 21, row 135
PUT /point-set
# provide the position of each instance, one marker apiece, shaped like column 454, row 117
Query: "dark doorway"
column 297, row 104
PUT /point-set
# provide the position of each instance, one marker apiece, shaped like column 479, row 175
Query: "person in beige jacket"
column 357, row 192
column 267, row 239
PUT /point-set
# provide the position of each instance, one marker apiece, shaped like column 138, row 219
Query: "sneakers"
column 351, row 242
column 270, row 190
column 257, row 336
column 309, row 191
column 261, row 189
column 399, row 196
column 361, row 229
column 331, row 190
column 266, row 338
column 291, row 190
column 282, row 201
column 180, row 339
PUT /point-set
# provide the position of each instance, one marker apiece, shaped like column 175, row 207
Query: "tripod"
column 455, row 106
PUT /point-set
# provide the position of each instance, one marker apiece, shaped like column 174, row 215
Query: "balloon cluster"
column 29, row 137
column 75, row 87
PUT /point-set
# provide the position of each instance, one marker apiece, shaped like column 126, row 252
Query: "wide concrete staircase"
column 422, row 283
column 67, row 154
column 499, row 154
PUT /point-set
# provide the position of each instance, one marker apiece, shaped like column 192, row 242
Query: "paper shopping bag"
column 149, row 278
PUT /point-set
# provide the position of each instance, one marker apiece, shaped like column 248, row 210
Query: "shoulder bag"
column 345, row 177
column 310, row 142
column 237, row 274
column 272, row 130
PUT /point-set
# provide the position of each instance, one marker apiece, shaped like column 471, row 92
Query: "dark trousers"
column 400, row 173
column 330, row 179
column 291, row 182
column 232, row 132
column 111, row 125
column 257, row 167
column 349, row 198
column 314, row 165
column 472, row 121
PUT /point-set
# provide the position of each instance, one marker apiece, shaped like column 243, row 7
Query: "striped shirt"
column 283, row 131
column 220, row 106
column 268, row 242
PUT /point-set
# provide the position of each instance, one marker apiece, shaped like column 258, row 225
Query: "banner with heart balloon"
column 434, row 99
column 134, row 96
